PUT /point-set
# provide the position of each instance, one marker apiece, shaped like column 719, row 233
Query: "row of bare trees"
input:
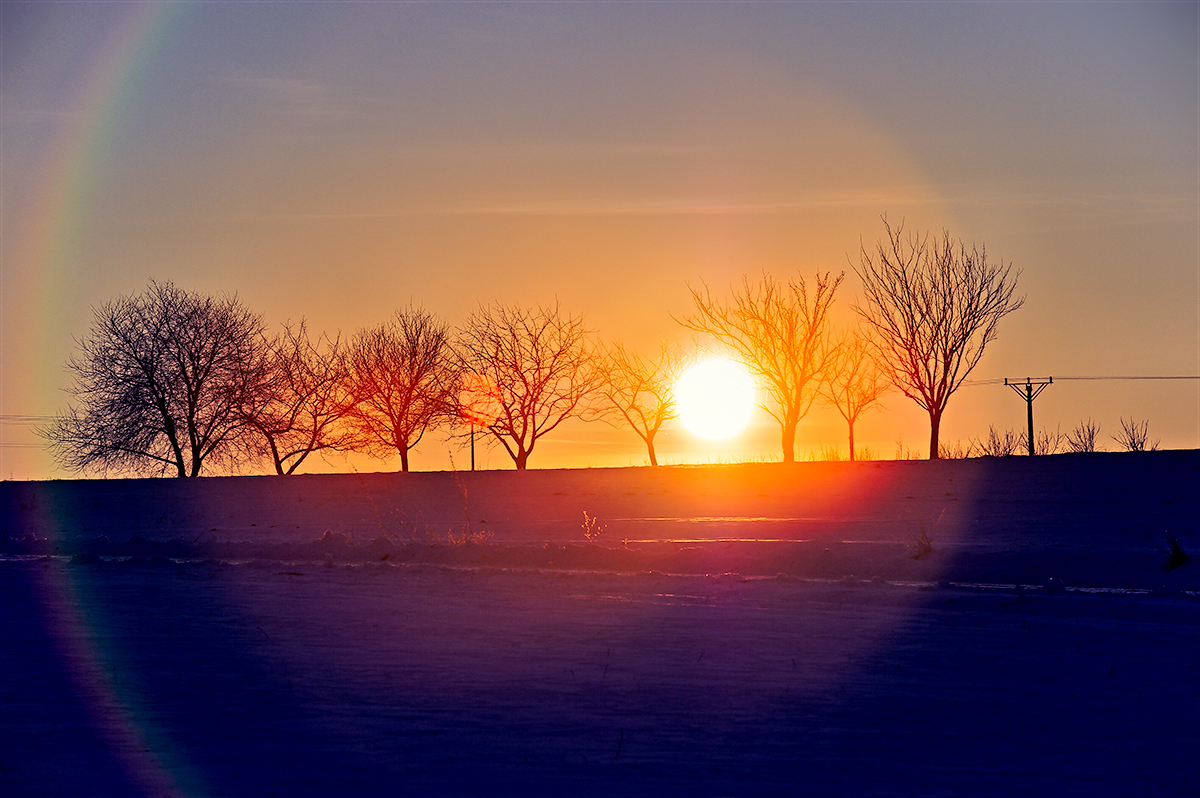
column 930, row 308
column 170, row 380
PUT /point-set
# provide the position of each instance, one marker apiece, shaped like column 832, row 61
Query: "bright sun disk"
column 715, row 398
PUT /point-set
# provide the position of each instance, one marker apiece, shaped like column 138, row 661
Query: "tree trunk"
column 935, row 421
column 275, row 455
column 403, row 459
column 521, row 460
column 194, row 448
column 172, row 437
column 851, row 441
column 789, row 442
column 650, row 449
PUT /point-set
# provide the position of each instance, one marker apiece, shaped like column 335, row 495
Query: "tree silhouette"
column 641, row 391
column 402, row 381
column 160, row 379
column 303, row 403
column 779, row 333
column 854, row 383
column 933, row 307
column 544, row 363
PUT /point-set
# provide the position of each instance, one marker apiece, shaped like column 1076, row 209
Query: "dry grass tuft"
column 469, row 537
column 920, row 545
column 592, row 528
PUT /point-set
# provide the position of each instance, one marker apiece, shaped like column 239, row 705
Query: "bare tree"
column 544, row 363
column 779, row 332
column 160, row 379
column 402, row 381
column 641, row 391
column 303, row 403
column 934, row 306
column 1133, row 436
column 854, row 383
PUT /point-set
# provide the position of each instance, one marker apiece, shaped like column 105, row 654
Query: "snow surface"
column 738, row 630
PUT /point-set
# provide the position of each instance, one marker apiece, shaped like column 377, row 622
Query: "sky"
column 337, row 161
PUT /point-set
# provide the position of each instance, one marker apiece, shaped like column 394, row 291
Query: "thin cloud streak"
column 1110, row 208
column 1163, row 206
column 571, row 151
column 303, row 98
column 648, row 208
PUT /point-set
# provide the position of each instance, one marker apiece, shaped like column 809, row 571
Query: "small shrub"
column 997, row 444
column 920, row 545
column 1047, row 442
column 592, row 528
column 1083, row 437
column 958, row 451
column 1055, row 586
column 1133, row 436
column 1175, row 554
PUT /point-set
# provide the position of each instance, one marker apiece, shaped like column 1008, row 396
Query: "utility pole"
column 1029, row 391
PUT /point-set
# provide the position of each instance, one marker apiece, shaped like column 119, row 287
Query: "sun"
column 715, row 398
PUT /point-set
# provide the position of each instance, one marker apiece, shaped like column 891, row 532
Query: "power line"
column 17, row 419
column 1127, row 378
column 11, row 420
column 1000, row 380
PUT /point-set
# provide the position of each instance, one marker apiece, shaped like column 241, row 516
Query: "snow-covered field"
column 735, row 630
